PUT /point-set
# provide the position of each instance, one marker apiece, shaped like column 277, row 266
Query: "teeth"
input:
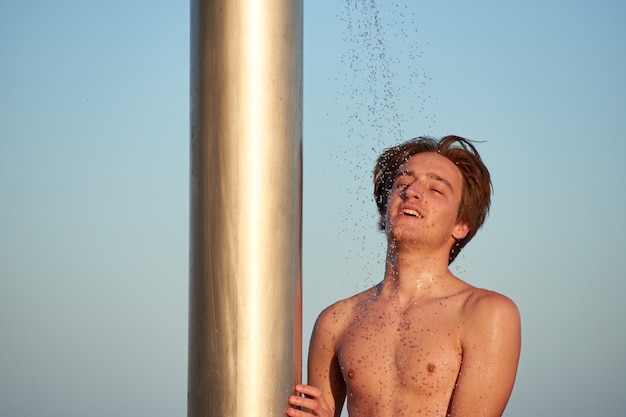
column 411, row 213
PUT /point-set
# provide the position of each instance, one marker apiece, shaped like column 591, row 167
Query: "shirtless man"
column 422, row 342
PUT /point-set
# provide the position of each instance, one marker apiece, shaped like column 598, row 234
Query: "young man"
column 422, row 342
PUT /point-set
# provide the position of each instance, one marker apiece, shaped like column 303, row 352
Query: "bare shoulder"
column 336, row 317
column 489, row 309
column 479, row 297
column 490, row 339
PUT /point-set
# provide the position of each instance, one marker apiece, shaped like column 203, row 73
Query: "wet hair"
column 477, row 188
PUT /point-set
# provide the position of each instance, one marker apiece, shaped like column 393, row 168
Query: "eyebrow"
column 430, row 175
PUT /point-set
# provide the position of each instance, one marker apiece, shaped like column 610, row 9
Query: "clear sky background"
column 94, row 186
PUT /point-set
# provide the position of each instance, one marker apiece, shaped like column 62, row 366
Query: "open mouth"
column 411, row 212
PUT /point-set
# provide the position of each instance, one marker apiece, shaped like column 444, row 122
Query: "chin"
column 399, row 235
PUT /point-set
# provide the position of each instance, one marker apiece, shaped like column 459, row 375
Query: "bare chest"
column 383, row 353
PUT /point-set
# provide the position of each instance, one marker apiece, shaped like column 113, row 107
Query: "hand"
column 311, row 404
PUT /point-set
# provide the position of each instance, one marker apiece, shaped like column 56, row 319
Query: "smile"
column 410, row 212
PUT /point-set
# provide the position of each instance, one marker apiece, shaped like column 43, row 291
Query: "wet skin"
column 422, row 342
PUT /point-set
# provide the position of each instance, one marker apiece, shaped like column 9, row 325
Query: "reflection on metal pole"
column 246, row 181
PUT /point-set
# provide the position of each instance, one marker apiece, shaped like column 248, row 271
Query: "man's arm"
column 324, row 371
column 326, row 391
column 491, row 342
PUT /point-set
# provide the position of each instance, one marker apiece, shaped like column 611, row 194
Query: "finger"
column 293, row 412
column 299, row 401
column 309, row 390
column 300, row 407
column 310, row 406
column 305, row 403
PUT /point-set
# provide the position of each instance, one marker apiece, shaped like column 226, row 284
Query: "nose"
column 414, row 190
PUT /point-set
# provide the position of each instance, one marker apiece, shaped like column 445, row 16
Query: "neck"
column 412, row 274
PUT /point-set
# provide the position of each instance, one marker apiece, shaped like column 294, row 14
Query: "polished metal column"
column 246, row 182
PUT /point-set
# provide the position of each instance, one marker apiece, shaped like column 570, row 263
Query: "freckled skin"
column 422, row 342
column 399, row 360
column 391, row 360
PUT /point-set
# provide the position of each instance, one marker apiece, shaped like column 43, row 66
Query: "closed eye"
column 402, row 183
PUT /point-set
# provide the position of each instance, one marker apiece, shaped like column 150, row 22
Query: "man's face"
column 424, row 202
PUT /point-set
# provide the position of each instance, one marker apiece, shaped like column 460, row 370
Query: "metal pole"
column 246, row 194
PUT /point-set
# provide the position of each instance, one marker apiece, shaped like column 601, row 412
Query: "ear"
column 460, row 230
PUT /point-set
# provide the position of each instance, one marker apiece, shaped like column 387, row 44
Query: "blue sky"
column 94, row 179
